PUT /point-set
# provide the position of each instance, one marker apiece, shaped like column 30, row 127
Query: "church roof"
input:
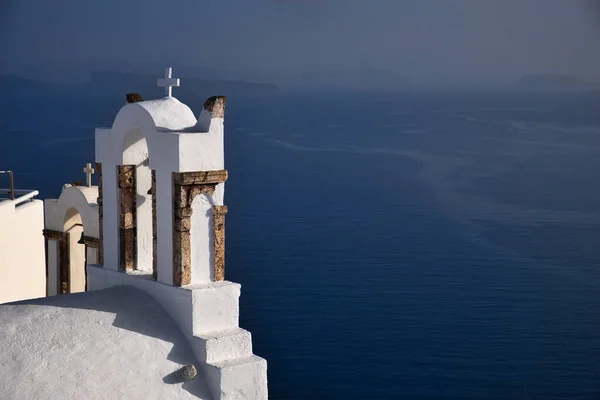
column 115, row 343
column 169, row 113
column 89, row 193
column 166, row 113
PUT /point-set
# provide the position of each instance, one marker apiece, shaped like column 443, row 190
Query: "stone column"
column 154, row 228
column 46, row 259
column 127, row 218
column 219, row 241
column 64, row 265
column 100, row 255
column 186, row 186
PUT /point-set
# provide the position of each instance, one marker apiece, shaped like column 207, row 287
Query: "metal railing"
column 12, row 183
column 25, row 194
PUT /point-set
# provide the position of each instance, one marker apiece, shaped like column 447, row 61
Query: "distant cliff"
column 146, row 85
column 366, row 79
column 555, row 82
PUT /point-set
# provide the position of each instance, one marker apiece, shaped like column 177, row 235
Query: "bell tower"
column 162, row 226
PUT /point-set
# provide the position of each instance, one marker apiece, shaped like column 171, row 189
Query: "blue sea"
column 389, row 246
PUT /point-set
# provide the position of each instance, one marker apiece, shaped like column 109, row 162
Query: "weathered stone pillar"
column 133, row 98
column 219, row 241
column 100, row 255
column 127, row 218
column 154, row 228
column 182, row 223
column 63, row 267
column 186, row 186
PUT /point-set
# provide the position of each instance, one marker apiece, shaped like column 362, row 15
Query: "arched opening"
column 201, row 246
column 74, row 278
column 135, row 155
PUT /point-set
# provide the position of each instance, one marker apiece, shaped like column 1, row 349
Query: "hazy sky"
column 422, row 39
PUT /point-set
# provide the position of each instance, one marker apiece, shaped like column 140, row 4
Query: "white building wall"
column 22, row 254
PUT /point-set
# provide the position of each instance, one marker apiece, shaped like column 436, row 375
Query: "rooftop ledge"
column 20, row 196
column 147, row 275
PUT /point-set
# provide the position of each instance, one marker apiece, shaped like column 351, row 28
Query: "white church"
column 118, row 291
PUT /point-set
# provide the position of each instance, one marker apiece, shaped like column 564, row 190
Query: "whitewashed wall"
column 22, row 254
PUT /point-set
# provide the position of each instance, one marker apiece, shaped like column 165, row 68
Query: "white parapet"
column 216, row 306
column 240, row 379
column 226, row 345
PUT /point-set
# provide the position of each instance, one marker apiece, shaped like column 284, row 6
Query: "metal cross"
column 168, row 82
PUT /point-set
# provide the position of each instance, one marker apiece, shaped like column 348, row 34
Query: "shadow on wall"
column 137, row 312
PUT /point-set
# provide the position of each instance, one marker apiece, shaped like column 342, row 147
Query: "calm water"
column 390, row 247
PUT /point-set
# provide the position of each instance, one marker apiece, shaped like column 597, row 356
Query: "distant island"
column 555, row 82
column 146, row 84
column 363, row 79
column 15, row 82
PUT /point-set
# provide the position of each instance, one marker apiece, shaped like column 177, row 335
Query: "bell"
column 81, row 239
